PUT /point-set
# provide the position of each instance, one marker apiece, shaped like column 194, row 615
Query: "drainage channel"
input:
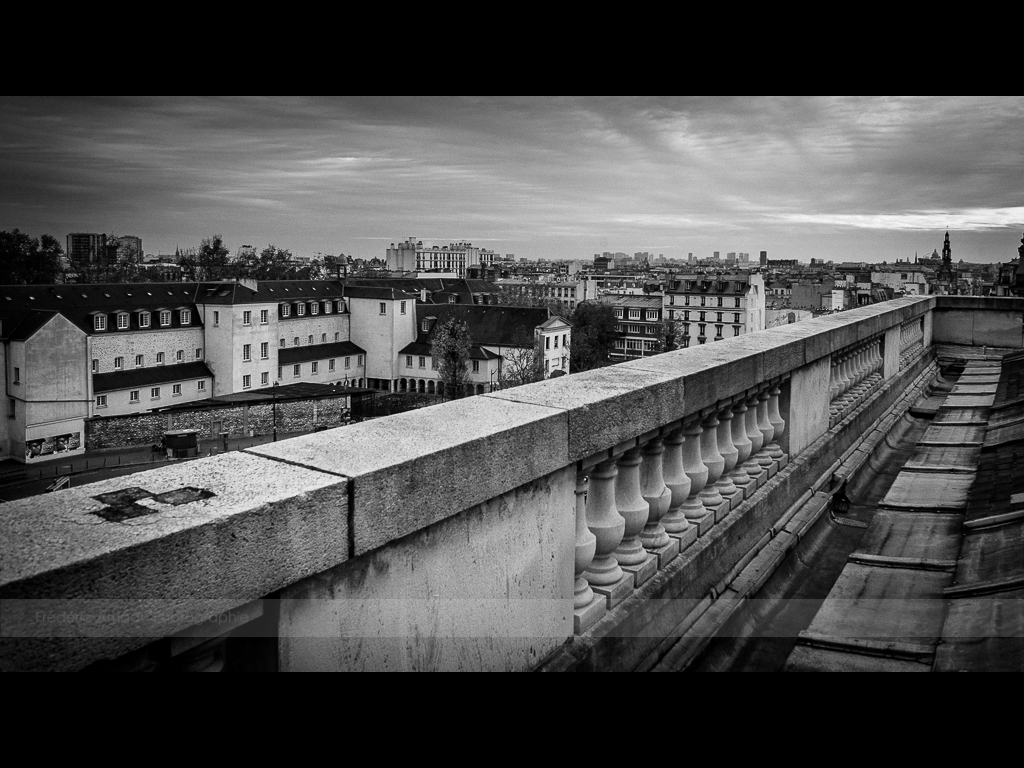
column 760, row 636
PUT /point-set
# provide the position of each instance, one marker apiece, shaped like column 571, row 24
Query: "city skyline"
column 846, row 179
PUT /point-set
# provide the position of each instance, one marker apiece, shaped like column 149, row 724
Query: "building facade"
column 413, row 256
column 713, row 307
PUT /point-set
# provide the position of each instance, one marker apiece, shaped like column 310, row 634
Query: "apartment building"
column 639, row 323
column 711, row 307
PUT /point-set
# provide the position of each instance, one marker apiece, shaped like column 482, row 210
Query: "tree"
column 272, row 263
column 125, row 261
column 593, row 336
column 209, row 262
column 450, row 345
column 25, row 260
column 523, row 362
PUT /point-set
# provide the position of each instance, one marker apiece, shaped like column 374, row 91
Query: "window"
column 186, row 316
column 408, row 361
column 337, row 336
column 95, row 366
column 323, row 338
column 281, row 344
column 264, row 379
column 101, row 401
column 201, row 386
column 719, row 301
column 159, row 358
column 199, row 353
column 718, row 331
column 300, row 309
column 179, row 356
column 634, row 314
column 359, row 361
column 425, row 326
column 264, row 350
column 348, row 361
column 264, row 316
column 686, row 314
column 165, row 317
column 737, row 301
column 314, row 308
column 735, row 330
column 122, row 320
column 310, row 340
column 327, row 307
column 99, row 323
column 246, row 381
column 702, row 315
column 618, row 313
column 476, row 366
column 565, row 339
column 17, row 375
column 423, row 362
column 295, row 341
column 216, row 317
column 154, row 393
column 286, row 310
column 736, row 317
column 118, row 363
column 547, row 342
column 246, row 352
column 556, row 342
column 718, row 317
column 176, row 390
column 247, row 318
column 144, row 319
column 403, row 307
column 701, row 329
column 672, row 301
column 133, row 396
column 383, row 308
column 687, row 302
column 314, row 367
column 702, row 299
column 139, row 361
column 297, row 370
column 652, row 314
column 330, row 364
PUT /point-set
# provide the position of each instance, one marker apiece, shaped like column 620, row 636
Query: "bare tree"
column 523, row 362
column 450, row 345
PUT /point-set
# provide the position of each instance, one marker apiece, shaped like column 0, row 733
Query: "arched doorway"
column 430, row 387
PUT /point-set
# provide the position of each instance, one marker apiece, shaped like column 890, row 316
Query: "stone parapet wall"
column 451, row 477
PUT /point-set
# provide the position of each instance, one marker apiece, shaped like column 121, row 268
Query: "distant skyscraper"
column 764, row 258
column 86, row 246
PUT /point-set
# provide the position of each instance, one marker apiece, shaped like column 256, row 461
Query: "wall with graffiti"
column 53, row 446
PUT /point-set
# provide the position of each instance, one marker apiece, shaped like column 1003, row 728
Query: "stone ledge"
column 413, row 469
column 76, row 588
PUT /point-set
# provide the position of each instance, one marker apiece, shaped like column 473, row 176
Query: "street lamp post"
column 275, row 411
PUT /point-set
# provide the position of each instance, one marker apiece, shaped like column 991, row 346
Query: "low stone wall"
column 237, row 420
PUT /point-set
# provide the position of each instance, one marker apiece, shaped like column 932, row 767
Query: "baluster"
column 678, row 483
column 587, row 607
column 696, row 471
column 607, row 525
column 751, row 466
column 725, row 484
column 743, row 446
column 833, row 380
column 586, row 547
column 711, row 497
column 654, row 537
column 775, row 450
column 635, row 510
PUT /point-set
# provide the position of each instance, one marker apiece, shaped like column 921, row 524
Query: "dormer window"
column 425, row 326
column 300, row 309
column 314, row 308
column 327, row 307
column 286, row 310
column 186, row 316
column 143, row 319
column 99, row 322
column 165, row 317
column 122, row 321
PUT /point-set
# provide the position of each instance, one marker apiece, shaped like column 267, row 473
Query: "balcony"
column 578, row 523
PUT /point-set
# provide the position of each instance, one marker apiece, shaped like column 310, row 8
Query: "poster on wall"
column 43, row 448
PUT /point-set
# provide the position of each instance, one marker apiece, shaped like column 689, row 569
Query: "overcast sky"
column 861, row 179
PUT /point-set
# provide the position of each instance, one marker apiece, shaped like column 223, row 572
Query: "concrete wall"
column 979, row 321
column 147, row 343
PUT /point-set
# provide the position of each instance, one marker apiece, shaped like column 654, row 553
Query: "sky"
column 848, row 179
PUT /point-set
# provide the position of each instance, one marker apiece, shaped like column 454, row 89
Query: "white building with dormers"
column 712, row 307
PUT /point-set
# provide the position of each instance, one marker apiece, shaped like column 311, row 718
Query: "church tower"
column 946, row 274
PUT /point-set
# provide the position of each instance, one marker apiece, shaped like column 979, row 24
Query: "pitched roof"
column 309, row 352
column 145, row 377
column 232, row 292
column 488, row 324
column 30, row 322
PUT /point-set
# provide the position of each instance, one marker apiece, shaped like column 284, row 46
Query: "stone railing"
column 483, row 533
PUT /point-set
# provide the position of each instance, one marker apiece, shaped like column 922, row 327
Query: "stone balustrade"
column 483, row 533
